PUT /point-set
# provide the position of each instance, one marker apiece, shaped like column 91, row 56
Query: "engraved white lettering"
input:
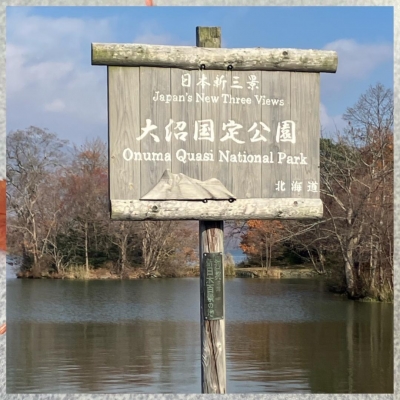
column 129, row 155
column 224, row 156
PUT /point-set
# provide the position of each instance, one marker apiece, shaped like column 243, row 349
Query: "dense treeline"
column 354, row 240
column 58, row 215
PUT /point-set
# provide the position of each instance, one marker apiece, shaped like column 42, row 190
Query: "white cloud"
column 50, row 81
column 152, row 33
column 55, row 106
column 330, row 125
column 57, row 38
column 154, row 38
column 356, row 61
column 24, row 74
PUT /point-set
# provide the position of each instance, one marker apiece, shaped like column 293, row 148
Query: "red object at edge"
column 3, row 215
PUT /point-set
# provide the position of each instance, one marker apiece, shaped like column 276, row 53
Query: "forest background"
column 57, row 198
column 58, row 212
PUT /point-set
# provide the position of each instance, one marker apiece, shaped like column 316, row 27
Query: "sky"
column 51, row 83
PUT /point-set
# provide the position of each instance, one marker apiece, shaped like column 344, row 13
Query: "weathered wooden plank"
column 305, row 114
column 123, row 117
column 245, row 132
column 214, row 113
column 160, row 107
column 154, row 117
column 213, row 364
column 186, row 57
column 275, row 109
column 241, row 209
column 184, row 114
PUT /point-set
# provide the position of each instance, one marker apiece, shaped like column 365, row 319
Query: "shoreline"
column 139, row 273
column 275, row 273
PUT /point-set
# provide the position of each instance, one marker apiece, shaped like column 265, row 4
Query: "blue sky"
column 52, row 84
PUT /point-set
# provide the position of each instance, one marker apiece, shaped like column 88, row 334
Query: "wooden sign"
column 222, row 141
column 213, row 134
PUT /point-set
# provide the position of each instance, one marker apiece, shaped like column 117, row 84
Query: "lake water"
column 282, row 336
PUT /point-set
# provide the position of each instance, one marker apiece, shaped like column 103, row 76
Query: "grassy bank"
column 79, row 272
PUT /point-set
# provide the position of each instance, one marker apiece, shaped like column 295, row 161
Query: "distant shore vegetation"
column 58, row 214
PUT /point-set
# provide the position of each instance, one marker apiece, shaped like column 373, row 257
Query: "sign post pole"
column 212, row 134
column 211, row 241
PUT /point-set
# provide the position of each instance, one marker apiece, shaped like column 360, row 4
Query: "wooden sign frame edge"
column 240, row 209
column 193, row 58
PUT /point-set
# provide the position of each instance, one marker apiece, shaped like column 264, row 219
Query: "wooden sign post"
column 211, row 238
column 213, row 134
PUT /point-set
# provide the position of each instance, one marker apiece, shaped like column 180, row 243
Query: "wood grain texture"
column 276, row 87
column 213, row 364
column 155, row 95
column 208, row 37
column 241, row 209
column 246, row 176
column 238, row 116
column 123, row 127
column 186, row 57
column 188, row 112
column 305, row 113
column 219, row 114
column 211, row 239
column 154, row 114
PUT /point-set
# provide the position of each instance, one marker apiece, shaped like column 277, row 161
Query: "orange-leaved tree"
column 260, row 238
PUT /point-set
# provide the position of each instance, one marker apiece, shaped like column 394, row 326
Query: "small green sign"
column 213, row 289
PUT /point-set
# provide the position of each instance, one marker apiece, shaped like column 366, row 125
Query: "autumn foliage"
column 353, row 242
column 260, row 239
column 58, row 213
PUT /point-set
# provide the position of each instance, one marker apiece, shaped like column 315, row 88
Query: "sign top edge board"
column 191, row 57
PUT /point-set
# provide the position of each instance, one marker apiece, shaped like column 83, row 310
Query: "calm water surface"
column 144, row 337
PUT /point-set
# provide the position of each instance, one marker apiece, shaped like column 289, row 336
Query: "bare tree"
column 85, row 193
column 163, row 240
column 124, row 235
column 356, row 174
column 33, row 155
column 314, row 238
